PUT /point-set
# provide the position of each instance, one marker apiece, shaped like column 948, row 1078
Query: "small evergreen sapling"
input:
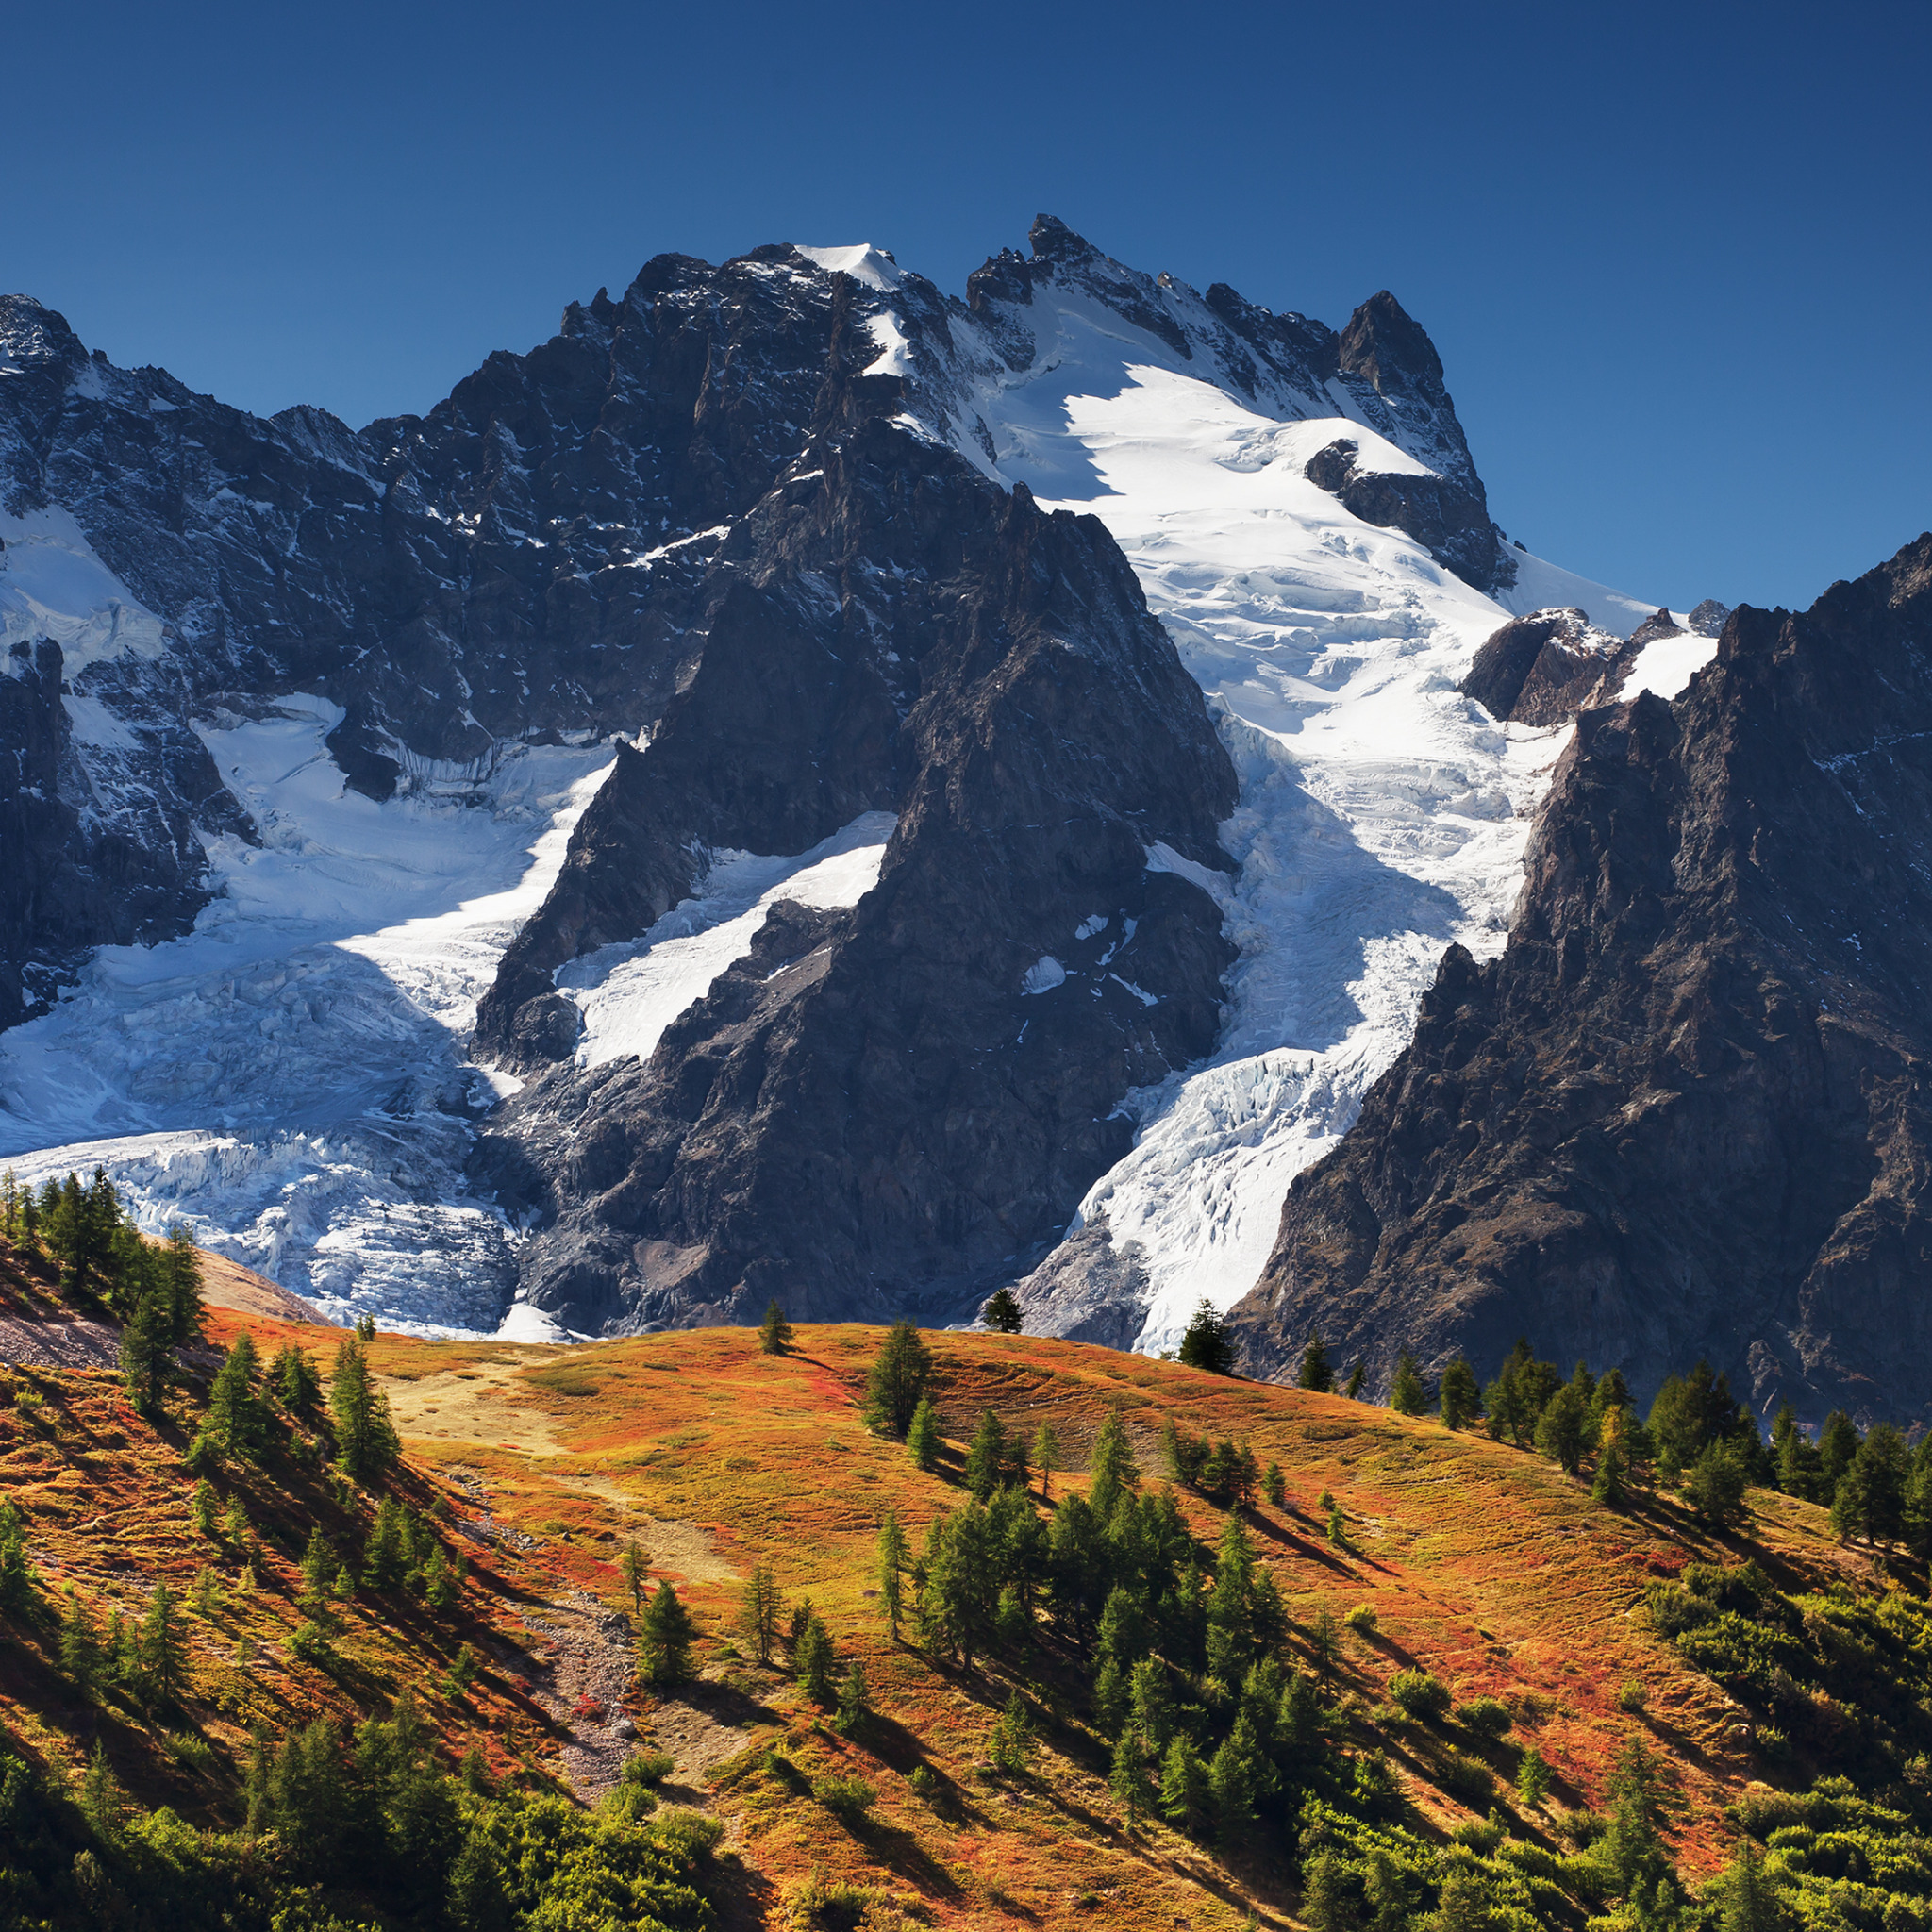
column 664, row 1641
column 633, row 1570
column 813, row 1659
column 891, row 1558
column 923, row 1437
column 775, row 1331
column 1046, row 1457
column 1314, row 1372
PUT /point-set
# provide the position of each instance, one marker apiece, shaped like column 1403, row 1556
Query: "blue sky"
column 1673, row 256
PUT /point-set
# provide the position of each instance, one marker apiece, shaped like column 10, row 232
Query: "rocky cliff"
column 1685, row 1112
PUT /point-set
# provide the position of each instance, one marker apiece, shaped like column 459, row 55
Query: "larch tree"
column 775, row 1331
column 1314, row 1372
column 897, row 1378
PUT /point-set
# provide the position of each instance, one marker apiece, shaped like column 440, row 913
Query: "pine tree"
column 1274, row 1486
column 1406, row 1395
column 633, row 1570
column 1532, row 1777
column 1609, row 1485
column 1151, row 1703
column 146, row 1353
column 1184, row 1795
column 1013, row 1739
column 236, row 1530
column 855, row 1706
column 319, row 1567
column 237, row 1421
column 1128, row 1779
column 985, row 1454
column 1749, row 1903
column 1325, row 1902
column 923, row 1437
column 80, row 1646
column 202, row 1508
column 366, row 1440
column 664, row 1641
column 1870, row 1498
column 890, row 1560
column 760, row 1607
column 1461, row 1398
column 1046, row 1457
column 897, row 1379
column 813, row 1661
column 775, row 1331
column 1234, row 1783
column 1115, row 1472
column 386, row 1557
column 100, row 1797
column 160, row 1657
column 1314, row 1372
column 1357, row 1376
column 292, row 1375
column 16, row 1577
column 442, row 1583
column 1110, row 1695
column 1838, row 1444
column 1714, row 1486
column 181, row 1280
column 1208, row 1344
column 1002, row 1314
column 1559, row 1429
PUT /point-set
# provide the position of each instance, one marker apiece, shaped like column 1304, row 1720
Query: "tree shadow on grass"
column 743, row 1898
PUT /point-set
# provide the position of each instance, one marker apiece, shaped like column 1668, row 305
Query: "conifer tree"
column 1749, row 1903
column 100, row 1797
column 1274, row 1486
column 1609, row 1486
column 16, row 1577
column 890, row 1560
column 1314, row 1372
column 1234, row 1783
column 160, row 1657
column 1002, row 1314
column 1208, row 1344
column 760, row 1607
column 664, row 1641
column 1013, row 1739
column 237, row 1421
column 1532, row 1777
column 202, row 1508
column 633, row 1570
column 1714, row 1485
column 1461, row 1398
column 319, row 1567
column 923, row 1437
column 80, row 1646
column 1127, row 1777
column 813, row 1659
column 1357, row 1376
column 1110, row 1695
column 441, row 1581
column 366, row 1440
column 292, row 1377
column 855, row 1704
column 1406, row 1395
column 1046, row 1457
column 775, row 1331
column 897, row 1379
column 1560, row 1429
column 1151, row 1703
column 146, row 1353
column 181, row 1281
column 1115, row 1472
column 236, row 1530
column 386, row 1555
column 1184, row 1795
column 985, row 1456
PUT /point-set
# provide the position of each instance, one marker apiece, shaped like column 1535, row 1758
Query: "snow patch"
column 53, row 585
column 1042, row 976
column 1667, row 665
column 628, row 994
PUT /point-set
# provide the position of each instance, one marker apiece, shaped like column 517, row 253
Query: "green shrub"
column 1420, row 1693
column 647, row 1767
column 1633, row 1697
column 1490, row 1718
column 1361, row 1620
column 848, row 1797
column 1466, row 1779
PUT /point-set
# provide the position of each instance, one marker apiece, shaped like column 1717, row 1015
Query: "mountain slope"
column 691, row 547
column 1683, row 1113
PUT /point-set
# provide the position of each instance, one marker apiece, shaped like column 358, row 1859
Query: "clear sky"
column 1675, row 256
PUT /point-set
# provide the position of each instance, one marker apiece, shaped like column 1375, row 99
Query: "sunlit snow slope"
column 1382, row 815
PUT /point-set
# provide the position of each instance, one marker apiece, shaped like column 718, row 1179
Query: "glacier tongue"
column 289, row 1078
column 1382, row 815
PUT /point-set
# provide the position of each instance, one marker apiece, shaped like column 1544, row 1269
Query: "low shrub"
column 1362, row 1619
column 1420, row 1693
column 847, row 1797
column 1467, row 1780
column 1487, row 1717
column 1632, row 1697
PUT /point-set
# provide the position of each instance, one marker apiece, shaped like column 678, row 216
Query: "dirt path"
column 580, row 1678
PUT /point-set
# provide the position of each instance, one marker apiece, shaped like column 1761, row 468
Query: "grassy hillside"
column 1480, row 1566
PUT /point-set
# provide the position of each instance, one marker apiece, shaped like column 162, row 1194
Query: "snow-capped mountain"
column 907, row 792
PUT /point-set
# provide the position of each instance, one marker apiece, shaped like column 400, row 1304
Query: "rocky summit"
column 1685, row 1111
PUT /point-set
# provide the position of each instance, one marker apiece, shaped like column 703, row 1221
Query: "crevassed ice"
column 1381, row 815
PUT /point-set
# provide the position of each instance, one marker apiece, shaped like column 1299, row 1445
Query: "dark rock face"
column 1687, row 1111
column 1450, row 521
column 869, row 1111
column 1544, row 668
